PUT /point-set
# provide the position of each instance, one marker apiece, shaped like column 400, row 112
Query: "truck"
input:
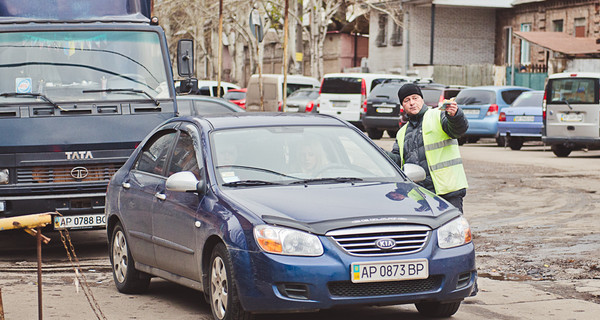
column 81, row 84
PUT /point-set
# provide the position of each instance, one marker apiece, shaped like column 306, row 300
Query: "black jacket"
column 414, row 149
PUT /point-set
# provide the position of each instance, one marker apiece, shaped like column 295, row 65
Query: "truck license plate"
column 80, row 222
column 389, row 271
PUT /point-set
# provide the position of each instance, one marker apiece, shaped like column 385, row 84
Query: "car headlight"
column 287, row 241
column 3, row 176
column 454, row 233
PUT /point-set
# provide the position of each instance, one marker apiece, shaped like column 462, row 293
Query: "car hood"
column 324, row 207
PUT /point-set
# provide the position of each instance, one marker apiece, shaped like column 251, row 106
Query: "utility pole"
column 285, row 53
column 220, row 46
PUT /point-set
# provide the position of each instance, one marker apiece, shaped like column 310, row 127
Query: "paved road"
column 535, row 296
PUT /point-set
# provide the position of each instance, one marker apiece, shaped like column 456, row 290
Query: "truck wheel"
column 437, row 309
column 126, row 277
column 501, row 141
column 374, row 133
column 392, row 133
column 561, row 150
column 515, row 143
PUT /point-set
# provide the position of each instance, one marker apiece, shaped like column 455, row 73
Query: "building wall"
column 541, row 16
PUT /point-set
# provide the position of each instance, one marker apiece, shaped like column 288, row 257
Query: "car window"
column 341, row 85
column 385, row 91
column 529, row 99
column 293, row 87
column 214, row 91
column 573, row 90
column 184, row 156
column 208, row 107
column 154, row 155
column 431, row 96
column 475, row 97
column 509, row 96
column 451, row 93
column 204, row 91
column 234, row 95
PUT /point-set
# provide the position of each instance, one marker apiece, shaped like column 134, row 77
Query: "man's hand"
column 451, row 108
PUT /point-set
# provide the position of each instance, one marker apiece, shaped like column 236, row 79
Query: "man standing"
column 428, row 139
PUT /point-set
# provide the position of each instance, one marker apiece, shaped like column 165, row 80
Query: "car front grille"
column 362, row 241
column 350, row 289
column 68, row 173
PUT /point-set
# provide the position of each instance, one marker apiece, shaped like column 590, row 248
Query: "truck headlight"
column 3, row 176
column 454, row 233
column 287, row 241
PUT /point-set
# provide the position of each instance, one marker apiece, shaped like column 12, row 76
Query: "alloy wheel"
column 219, row 294
column 119, row 256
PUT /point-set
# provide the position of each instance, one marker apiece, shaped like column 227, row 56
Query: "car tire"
column 127, row 278
column 501, row 141
column 392, row 133
column 462, row 141
column 515, row 143
column 224, row 300
column 374, row 133
column 437, row 309
column 561, row 151
column 472, row 140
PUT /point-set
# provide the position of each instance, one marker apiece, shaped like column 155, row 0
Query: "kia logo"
column 79, row 173
column 385, row 244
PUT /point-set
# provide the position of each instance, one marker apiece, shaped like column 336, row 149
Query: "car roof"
column 264, row 119
column 495, row 88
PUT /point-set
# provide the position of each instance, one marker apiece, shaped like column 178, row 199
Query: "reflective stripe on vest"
column 442, row 153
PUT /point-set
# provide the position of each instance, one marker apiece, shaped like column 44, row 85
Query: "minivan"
column 570, row 112
column 273, row 90
column 344, row 94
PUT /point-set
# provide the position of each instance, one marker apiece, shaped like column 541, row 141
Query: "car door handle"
column 126, row 185
column 161, row 196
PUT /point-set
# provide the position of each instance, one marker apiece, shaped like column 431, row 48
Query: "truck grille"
column 69, row 173
column 362, row 241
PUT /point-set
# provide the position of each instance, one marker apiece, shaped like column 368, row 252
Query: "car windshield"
column 304, row 94
column 529, row 99
column 475, row 97
column 297, row 154
column 385, row 91
column 431, row 95
column 63, row 65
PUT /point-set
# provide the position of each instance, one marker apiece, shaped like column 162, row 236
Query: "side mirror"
column 413, row 171
column 184, row 181
column 185, row 58
column 188, row 86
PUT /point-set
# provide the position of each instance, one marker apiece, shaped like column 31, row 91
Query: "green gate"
column 524, row 78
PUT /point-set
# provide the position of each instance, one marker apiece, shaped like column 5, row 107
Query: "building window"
column 525, row 57
column 579, row 27
column 557, row 25
column 396, row 35
column 381, row 39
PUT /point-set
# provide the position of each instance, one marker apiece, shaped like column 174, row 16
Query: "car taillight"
column 441, row 100
column 365, row 106
column 363, row 90
column 321, row 87
column 544, row 106
column 502, row 116
column 309, row 106
column 493, row 109
column 280, row 107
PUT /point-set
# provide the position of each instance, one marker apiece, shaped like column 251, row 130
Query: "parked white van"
column 273, row 90
column 343, row 94
column 209, row 88
column 571, row 112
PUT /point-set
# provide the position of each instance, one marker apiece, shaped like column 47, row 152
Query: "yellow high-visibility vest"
column 442, row 153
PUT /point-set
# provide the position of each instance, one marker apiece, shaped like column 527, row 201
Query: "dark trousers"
column 455, row 200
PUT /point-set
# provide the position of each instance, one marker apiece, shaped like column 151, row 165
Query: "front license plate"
column 79, row 222
column 474, row 112
column 524, row 118
column 389, row 271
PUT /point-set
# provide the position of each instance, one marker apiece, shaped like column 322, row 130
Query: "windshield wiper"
column 37, row 95
column 327, row 180
column 567, row 103
column 245, row 183
column 234, row 166
column 125, row 90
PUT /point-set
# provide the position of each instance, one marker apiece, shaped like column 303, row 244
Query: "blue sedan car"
column 523, row 120
column 283, row 213
column 481, row 106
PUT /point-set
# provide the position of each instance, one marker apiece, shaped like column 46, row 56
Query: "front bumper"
column 276, row 283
